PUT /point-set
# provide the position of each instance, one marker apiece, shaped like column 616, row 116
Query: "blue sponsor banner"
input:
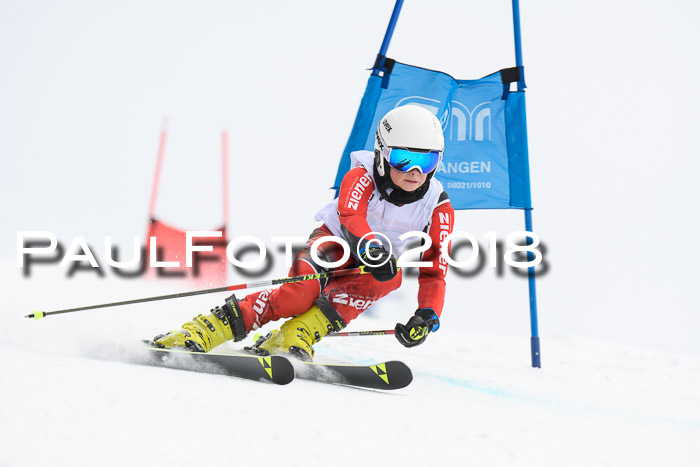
column 485, row 164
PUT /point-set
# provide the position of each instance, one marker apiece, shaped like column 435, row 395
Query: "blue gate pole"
column 387, row 36
column 535, row 339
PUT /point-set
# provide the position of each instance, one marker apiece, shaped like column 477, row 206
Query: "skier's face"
column 408, row 181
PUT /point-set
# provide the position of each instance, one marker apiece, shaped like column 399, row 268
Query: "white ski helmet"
column 408, row 137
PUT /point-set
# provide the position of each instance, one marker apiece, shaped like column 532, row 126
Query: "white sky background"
column 612, row 119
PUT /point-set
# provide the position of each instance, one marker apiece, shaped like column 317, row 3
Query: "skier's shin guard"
column 204, row 333
column 298, row 335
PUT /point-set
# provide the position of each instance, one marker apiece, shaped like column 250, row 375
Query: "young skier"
column 391, row 192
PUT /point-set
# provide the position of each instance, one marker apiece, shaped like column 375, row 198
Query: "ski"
column 274, row 368
column 278, row 369
column 382, row 376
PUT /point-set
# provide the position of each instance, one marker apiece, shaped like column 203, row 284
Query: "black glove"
column 380, row 263
column 416, row 330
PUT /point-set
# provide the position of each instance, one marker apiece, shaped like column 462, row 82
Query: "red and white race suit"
column 356, row 216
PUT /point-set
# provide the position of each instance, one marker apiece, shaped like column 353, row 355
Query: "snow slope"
column 595, row 404
column 69, row 399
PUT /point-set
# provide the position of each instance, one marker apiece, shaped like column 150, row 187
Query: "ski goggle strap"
column 405, row 160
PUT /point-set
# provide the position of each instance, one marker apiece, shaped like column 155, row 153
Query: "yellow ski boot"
column 298, row 335
column 204, row 333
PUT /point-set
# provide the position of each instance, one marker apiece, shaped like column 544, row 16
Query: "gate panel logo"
column 459, row 122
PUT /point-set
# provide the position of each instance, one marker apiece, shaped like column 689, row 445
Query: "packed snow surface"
column 70, row 398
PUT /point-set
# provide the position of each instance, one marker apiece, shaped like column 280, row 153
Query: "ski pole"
column 387, row 332
column 266, row 283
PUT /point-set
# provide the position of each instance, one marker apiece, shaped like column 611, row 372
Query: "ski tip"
column 37, row 315
column 284, row 370
column 401, row 375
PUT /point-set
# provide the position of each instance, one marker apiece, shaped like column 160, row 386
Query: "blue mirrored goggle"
column 405, row 160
